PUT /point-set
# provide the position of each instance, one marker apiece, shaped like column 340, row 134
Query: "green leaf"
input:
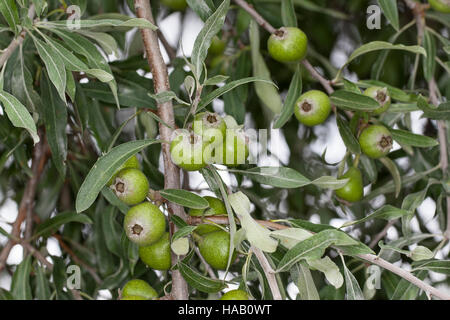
column 42, row 290
column 20, row 284
column 329, row 268
column 312, row 6
column 199, row 281
column 301, row 276
column 9, row 10
column 392, row 167
column 130, row 23
column 390, row 11
column 406, row 290
column 83, row 46
column 104, row 169
column 429, row 62
column 46, row 228
column 439, row 266
column 442, row 112
column 183, row 232
column 106, row 41
column 256, row 234
column 212, row 26
column 203, row 8
column 386, row 212
column 184, row 198
column 18, row 114
column 112, row 199
column 349, row 100
column 206, row 100
column 294, row 92
column 411, row 139
column 216, row 80
column 55, row 120
column 314, row 247
column 379, row 45
column 280, row 177
column 329, row 182
column 353, row 289
column 288, row 13
column 22, row 86
column 53, row 63
column 347, row 135
column 290, row 237
column 266, row 93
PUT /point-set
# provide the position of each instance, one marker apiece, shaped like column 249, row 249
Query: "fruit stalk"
column 165, row 112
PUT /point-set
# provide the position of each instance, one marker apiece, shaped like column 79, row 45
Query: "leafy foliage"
column 78, row 103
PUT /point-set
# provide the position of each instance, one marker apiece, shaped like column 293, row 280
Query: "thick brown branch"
column 165, row 111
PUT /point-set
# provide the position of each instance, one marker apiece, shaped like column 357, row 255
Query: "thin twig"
column 382, row 234
column 367, row 257
column 258, row 18
column 207, row 266
column 270, row 273
column 266, row 25
column 26, row 204
column 17, row 41
column 165, row 111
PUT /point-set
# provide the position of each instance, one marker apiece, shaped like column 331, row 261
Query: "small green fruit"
column 179, row 5
column 382, row 97
column 138, row 288
column 205, row 228
column 131, row 186
column 188, row 151
column 134, row 298
column 210, row 126
column 234, row 150
column 217, row 46
column 312, row 108
column 235, row 295
column 440, row 5
column 354, row 189
column 288, row 44
column 144, row 224
column 157, row 255
column 376, row 141
column 132, row 162
column 216, row 207
column 214, row 247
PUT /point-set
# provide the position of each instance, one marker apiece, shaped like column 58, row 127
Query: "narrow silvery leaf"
column 390, row 11
column 301, row 275
column 55, row 120
column 256, row 234
column 54, row 64
column 295, row 90
column 329, row 268
column 353, row 289
column 18, row 114
column 212, row 26
column 104, row 169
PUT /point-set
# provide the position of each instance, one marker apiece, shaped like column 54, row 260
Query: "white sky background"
column 328, row 137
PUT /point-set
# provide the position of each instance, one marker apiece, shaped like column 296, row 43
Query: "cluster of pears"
column 209, row 141
column 144, row 223
column 375, row 141
column 289, row 45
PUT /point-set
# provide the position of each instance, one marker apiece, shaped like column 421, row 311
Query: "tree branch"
column 165, row 111
column 17, row 41
column 258, row 18
column 367, row 257
column 270, row 274
column 27, row 202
